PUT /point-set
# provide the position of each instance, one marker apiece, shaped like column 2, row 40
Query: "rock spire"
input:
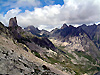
column 12, row 22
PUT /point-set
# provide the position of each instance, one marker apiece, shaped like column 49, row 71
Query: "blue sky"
column 6, row 5
column 49, row 14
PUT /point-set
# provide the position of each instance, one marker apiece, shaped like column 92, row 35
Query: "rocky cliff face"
column 12, row 22
column 94, row 32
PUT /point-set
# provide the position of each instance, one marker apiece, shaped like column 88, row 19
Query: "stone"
column 12, row 22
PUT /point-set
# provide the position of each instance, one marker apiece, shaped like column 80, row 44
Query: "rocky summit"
column 64, row 51
column 12, row 22
column 64, row 26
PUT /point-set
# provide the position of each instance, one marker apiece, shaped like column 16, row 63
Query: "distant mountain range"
column 68, row 50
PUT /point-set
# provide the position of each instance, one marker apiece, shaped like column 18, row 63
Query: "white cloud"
column 80, row 11
column 11, row 13
column 72, row 12
column 40, row 16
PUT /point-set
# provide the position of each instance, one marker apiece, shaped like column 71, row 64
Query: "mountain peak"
column 94, row 24
column 64, row 26
column 84, row 25
column 70, row 26
column 32, row 29
column 12, row 22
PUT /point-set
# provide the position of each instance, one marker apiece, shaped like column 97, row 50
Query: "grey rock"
column 18, row 65
column 12, row 22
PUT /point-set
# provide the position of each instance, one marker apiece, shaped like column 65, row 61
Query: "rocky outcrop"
column 12, row 22
column 25, row 37
column 64, row 26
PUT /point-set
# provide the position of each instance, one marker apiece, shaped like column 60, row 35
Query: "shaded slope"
column 94, row 32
